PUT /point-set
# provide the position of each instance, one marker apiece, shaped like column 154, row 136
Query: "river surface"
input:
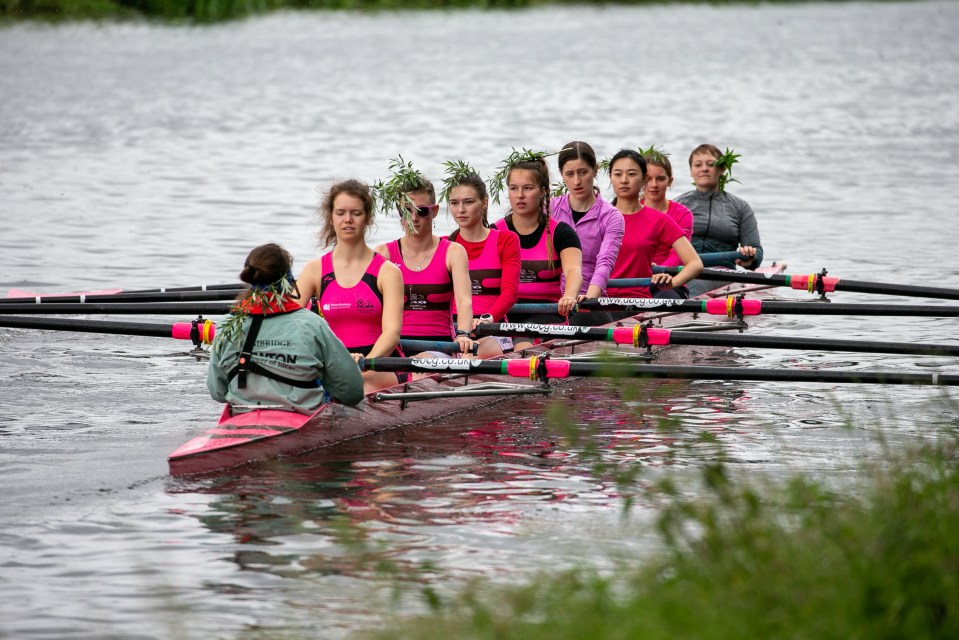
column 141, row 155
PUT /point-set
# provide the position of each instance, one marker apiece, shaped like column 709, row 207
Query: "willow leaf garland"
column 456, row 170
column 272, row 294
column 498, row 181
column 391, row 195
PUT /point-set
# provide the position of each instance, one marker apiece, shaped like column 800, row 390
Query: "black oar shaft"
column 920, row 291
column 132, row 308
column 814, row 282
column 202, row 287
column 175, row 296
column 548, row 368
column 653, row 336
column 89, row 326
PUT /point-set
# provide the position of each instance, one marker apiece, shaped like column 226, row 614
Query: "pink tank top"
column 486, row 275
column 355, row 314
column 427, row 294
column 537, row 281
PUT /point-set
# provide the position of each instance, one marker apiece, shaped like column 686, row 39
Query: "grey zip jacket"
column 722, row 222
column 298, row 345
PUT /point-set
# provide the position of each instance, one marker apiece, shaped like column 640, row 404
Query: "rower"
column 271, row 351
column 358, row 292
column 722, row 222
column 494, row 262
column 659, row 179
column 549, row 249
column 435, row 272
column 649, row 234
column 597, row 223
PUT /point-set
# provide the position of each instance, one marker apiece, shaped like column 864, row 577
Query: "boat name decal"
column 640, row 302
column 443, row 364
column 548, row 329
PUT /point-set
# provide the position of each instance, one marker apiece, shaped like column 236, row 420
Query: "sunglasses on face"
column 425, row 212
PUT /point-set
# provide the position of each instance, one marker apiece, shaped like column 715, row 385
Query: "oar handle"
column 418, row 346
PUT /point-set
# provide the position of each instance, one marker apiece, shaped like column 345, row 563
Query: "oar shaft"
column 639, row 336
column 131, row 308
column 535, row 369
column 731, row 306
column 202, row 287
column 816, row 283
column 181, row 296
column 88, row 326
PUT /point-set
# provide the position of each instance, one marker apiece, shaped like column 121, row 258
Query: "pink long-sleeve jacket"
column 600, row 233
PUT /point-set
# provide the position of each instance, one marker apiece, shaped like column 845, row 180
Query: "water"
column 140, row 155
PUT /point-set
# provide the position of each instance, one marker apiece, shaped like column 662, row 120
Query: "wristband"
column 460, row 332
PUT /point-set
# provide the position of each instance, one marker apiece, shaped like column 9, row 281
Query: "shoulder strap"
column 246, row 364
column 246, row 354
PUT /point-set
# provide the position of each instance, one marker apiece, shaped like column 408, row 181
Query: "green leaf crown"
column 390, row 195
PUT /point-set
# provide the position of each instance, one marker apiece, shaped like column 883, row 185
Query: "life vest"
column 427, row 294
column 355, row 314
column 540, row 266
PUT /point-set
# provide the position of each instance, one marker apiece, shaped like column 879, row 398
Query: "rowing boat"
column 257, row 433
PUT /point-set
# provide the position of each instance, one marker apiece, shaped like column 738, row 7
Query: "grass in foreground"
column 796, row 561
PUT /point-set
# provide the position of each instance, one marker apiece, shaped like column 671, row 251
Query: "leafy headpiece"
column 725, row 164
column 498, row 181
column 456, row 170
column 264, row 296
column 391, row 194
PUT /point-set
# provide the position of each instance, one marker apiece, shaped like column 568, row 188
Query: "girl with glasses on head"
column 357, row 291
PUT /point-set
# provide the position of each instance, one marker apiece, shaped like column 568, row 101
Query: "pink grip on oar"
column 527, row 368
column 727, row 307
column 182, row 330
column 630, row 335
column 809, row 283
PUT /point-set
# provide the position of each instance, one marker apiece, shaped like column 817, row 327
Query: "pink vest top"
column 536, row 280
column 355, row 314
column 427, row 294
column 486, row 275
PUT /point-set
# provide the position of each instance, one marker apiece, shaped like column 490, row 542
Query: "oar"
column 819, row 283
column 545, row 368
column 734, row 307
column 129, row 308
column 170, row 296
column 203, row 334
column 31, row 296
column 180, row 330
column 642, row 336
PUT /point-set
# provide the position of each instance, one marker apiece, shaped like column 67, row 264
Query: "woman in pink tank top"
column 435, row 273
column 358, row 292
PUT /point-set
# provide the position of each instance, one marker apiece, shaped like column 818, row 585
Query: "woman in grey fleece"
column 721, row 221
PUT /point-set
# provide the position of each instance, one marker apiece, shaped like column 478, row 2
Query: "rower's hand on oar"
column 748, row 251
column 662, row 280
column 566, row 305
column 358, row 357
column 486, row 318
column 465, row 343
